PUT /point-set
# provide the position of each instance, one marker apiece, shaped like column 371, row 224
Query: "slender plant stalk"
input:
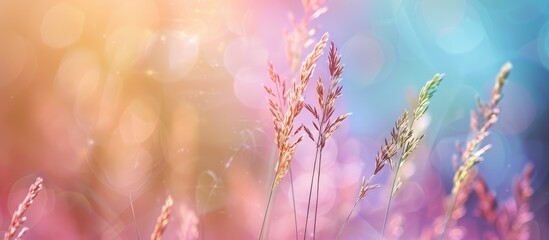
column 269, row 204
column 266, row 211
column 347, row 219
column 203, row 212
column 134, row 219
column 454, row 200
column 447, row 215
column 318, row 155
column 366, row 186
column 393, row 186
column 317, row 192
column 310, row 193
column 293, row 202
column 325, row 125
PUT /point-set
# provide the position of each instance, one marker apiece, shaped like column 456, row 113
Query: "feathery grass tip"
column 284, row 130
column 18, row 217
column 163, row 220
column 425, row 95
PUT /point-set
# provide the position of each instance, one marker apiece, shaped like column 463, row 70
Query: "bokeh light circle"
column 494, row 167
column 247, row 87
column 138, row 122
column 171, row 55
column 62, row 25
column 14, row 55
column 464, row 37
column 129, row 166
column 206, row 30
column 443, row 16
column 79, row 73
column 519, row 113
column 364, row 59
column 327, row 196
column 137, row 13
column 543, row 45
column 184, row 119
column 123, row 46
column 245, row 52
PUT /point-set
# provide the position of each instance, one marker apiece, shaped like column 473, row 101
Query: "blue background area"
column 469, row 41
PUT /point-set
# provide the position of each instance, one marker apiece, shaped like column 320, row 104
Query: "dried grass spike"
column 425, row 95
column 335, row 125
column 500, row 81
column 163, row 220
column 398, row 184
column 387, row 152
column 366, row 186
column 465, row 169
column 510, row 219
column 403, row 129
column 409, row 148
column 309, row 64
column 487, row 206
column 480, row 126
column 18, row 217
column 295, row 104
column 302, row 35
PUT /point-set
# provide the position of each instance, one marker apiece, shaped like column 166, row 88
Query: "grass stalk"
column 134, row 219
column 347, row 219
column 488, row 113
column 317, row 192
column 18, row 217
column 163, row 219
column 325, row 125
column 293, row 202
column 266, row 211
column 393, row 186
column 447, row 215
column 310, row 193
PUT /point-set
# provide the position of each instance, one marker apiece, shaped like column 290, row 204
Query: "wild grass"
column 286, row 101
column 301, row 35
column 285, row 107
column 405, row 142
column 324, row 124
column 510, row 219
column 402, row 144
column 472, row 155
column 297, row 40
column 395, row 150
column 16, row 229
column 459, row 209
column 163, row 219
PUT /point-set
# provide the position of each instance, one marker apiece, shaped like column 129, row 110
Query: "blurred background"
column 118, row 104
